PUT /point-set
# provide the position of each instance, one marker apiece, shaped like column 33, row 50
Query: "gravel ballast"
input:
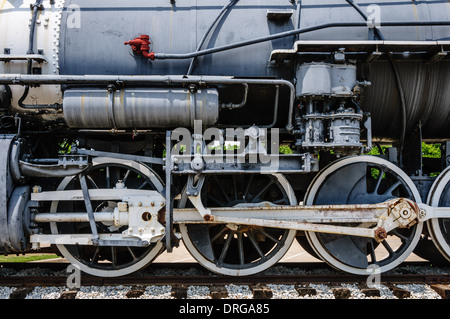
column 278, row 291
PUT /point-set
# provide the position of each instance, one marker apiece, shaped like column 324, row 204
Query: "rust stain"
column 171, row 29
column 82, row 104
column 416, row 17
column 2, row 5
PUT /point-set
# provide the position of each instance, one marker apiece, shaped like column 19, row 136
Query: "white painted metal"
column 94, row 194
column 433, row 199
column 157, row 248
column 249, row 271
column 73, row 239
column 315, row 187
column 47, row 37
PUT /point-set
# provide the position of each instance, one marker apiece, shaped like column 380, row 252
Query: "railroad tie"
column 261, row 292
column 68, row 294
column 341, row 293
column 442, row 290
column 400, row 293
column 218, row 291
column 21, row 292
column 179, row 291
column 135, row 292
column 305, row 291
column 369, row 291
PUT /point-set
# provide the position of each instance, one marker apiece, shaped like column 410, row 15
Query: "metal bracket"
column 194, row 194
column 168, row 195
column 368, row 126
column 39, row 58
column 136, row 158
column 6, row 188
column 138, row 212
column 143, row 217
column 87, row 202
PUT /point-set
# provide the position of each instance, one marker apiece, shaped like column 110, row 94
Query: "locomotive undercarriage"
column 236, row 210
column 232, row 199
column 104, row 174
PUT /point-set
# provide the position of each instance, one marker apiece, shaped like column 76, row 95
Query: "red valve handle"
column 141, row 45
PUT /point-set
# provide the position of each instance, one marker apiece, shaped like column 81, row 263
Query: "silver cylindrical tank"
column 140, row 108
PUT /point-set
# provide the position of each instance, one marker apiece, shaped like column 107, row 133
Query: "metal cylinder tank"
column 140, row 108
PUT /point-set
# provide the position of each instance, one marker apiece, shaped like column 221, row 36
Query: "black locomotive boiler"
column 236, row 126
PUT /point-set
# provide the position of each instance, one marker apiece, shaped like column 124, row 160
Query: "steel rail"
column 207, row 280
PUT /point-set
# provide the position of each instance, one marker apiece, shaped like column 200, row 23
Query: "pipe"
column 36, row 7
column 275, row 110
column 402, row 104
column 280, row 35
column 275, row 114
column 232, row 106
column 357, row 8
column 299, row 14
column 73, row 217
column 225, row 8
column 148, row 79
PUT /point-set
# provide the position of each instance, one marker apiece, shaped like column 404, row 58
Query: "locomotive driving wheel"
column 362, row 180
column 106, row 261
column 439, row 228
column 232, row 249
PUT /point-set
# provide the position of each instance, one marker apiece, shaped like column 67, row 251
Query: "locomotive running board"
column 431, row 50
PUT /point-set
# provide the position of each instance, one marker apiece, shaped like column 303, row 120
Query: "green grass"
column 26, row 258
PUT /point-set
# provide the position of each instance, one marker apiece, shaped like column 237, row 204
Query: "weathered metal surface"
column 439, row 198
column 6, row 188
column 240, row 164
column 95, row 194
column 15, row 22
column 140, row 108
column 387, row 216
column 70, row 33
column 18, row 219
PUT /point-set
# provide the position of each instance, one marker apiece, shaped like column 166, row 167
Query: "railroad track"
column 185, row 281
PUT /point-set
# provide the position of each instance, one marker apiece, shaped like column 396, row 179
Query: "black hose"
column 400, row 89
column 36, row 7
column 224, row 9
column 176, row 56
column 299, row 14
column 357, row 8
column 30, row 46
column 402, row 102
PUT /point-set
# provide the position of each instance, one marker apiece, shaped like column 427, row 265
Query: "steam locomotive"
column 235, row 126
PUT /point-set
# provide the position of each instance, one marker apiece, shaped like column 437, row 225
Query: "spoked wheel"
column 362, row 180
column 106, row 261
column 239, row 250
column 439, row 228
